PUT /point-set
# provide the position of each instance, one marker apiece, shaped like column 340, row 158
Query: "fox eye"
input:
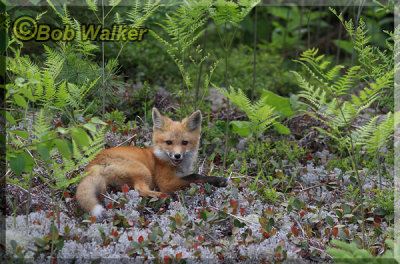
column 184, row 142
column 169, row 142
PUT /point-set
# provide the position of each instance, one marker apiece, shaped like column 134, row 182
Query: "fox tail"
column 91, row 186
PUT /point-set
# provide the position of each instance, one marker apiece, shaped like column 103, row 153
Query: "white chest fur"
column 182, row 169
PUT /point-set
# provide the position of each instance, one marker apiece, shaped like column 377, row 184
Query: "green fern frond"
column 369, row 94
column 225, row 12
column 54, row 62
column 77, row 152
column 246, row 6
column 83, row 155
column 361, row 135
column 263, row 116
column 22, row 66
column 317, row 63
column 86, row 47
column 62, row 95
column 41, row 125
column 141, row 12
column 49, row 88
column 316, row 96
column 341, row 114
column 381, row 134
column 239, row 98
column 184, row 27
column 77, row 94
column 38, row 91
column 96, row 144
column 260, row 113
column 345, row 82
column 92, row 5
column 333, row 73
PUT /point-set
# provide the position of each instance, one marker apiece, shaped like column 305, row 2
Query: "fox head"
column 176, row 142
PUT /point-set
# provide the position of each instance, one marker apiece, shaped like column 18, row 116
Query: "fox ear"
column 193, row 121
column 158, row 119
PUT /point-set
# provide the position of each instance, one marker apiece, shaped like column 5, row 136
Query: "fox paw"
column 223, row 182
column 218, row 181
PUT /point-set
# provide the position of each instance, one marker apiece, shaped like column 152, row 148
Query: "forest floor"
column 312, row 206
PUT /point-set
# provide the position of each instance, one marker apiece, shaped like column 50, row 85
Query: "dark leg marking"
column 213, row 180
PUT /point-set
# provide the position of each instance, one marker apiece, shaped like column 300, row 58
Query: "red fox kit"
column 167, row 165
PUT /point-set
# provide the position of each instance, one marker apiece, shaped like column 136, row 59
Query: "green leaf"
column 40, row 242
column 380, row 211
column 63, row 148
column 281, row 129
column 329, row 220
column 62, row 130
column 242, row 128
column 297, row 203
column 29, row 162
column 153, row 235
column 19, row 81
column 280, row 104
column 80, row 136
column 10, row 118
column 20, row 133
column 28, row 94
column 20, row 101
column 203, row 215
column 346, row 209
column 90, row 127
column 96, row 120
column 43, row 151
column 18, row 164
column 237, row 223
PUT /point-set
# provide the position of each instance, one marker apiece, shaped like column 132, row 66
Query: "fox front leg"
column 213, row 180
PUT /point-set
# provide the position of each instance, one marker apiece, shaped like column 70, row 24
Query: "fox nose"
column 177, row 156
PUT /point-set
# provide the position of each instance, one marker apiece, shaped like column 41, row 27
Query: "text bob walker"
column 25, row 28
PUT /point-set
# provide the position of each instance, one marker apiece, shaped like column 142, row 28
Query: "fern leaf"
column 54, row 62
column 49, row 88
column 41, row 125
column 225, row 12
column 140, row 13
column 361, row 135
column 381, row 134
column 333, row 73
column 344, row 83
column 62, row 95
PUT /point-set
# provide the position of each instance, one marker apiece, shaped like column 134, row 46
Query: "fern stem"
column 339, row 43
column 29, row 200
column 355, row 31
column 200, row 71
column 226, row 126
column 52, row 230
column 359, row 180
column 254, row 55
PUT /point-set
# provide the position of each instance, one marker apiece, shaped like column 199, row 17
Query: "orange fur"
column 166, row 166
